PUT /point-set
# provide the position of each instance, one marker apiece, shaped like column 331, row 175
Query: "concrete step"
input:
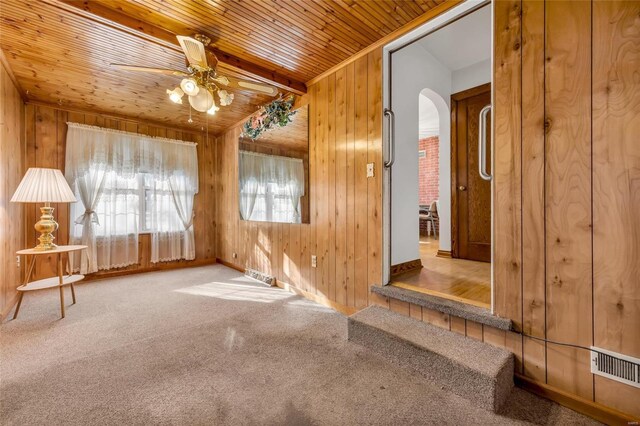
column 473, row 370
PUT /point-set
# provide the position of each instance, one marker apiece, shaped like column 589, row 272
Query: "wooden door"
column 471, row 197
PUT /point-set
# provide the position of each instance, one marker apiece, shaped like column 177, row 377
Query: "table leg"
column 73, row 293
column 26, row 281
column 15, row 314
column 60, row 281
column 29, row 270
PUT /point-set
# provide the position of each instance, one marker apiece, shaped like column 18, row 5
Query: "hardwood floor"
column 463, row 280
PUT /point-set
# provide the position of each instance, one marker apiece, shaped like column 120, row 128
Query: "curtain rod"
column 123, row 132
column 259, row 154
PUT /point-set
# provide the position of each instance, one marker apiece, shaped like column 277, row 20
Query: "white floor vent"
column 615, row 366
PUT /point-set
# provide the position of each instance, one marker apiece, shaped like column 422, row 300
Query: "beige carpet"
column 209, row 346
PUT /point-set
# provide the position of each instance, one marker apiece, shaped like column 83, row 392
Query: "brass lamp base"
column 46, row 226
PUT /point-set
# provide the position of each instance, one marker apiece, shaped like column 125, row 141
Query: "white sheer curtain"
column 270, row 187
column 122, row 182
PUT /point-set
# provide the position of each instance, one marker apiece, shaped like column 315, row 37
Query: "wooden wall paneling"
column 616, row 193
column 12, row 154
column 30, row 158
column 533, row 186
column 494, row 337
column 415, row 311
column 46, row 149
column 568, row 194
column 436, row 318
column 323, row 100
column 474, row 330
column 205, row 207
column 374, row 156
column 7, row 289
column 331, row 183
column 506, row 114
column 308, row 233
column 458, row 325
column 341, row 256
column 400, row 307
column 62, row 209
column 351, row 184
column 285, row 268
column 361, row 201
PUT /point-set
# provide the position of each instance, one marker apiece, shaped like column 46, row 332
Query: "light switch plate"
column 370, row 170
column 314, row 260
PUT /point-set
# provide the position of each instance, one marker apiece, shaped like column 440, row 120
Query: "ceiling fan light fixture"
column 175, row 95
column 225, row 97
column 189, row 86
column 203, row 101
column 213, row 109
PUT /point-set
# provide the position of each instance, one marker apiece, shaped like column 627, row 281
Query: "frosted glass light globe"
column 175, row 95
column 189, row 86
column 202, row 101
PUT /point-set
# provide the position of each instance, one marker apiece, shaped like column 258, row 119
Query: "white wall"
column 414, row 71
column 472, row 76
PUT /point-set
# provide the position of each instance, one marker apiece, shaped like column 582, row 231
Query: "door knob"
column 462, row 188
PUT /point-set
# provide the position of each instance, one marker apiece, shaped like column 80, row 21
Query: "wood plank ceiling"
column 61, row 56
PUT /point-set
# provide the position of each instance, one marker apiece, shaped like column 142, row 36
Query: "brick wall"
column 428, row 170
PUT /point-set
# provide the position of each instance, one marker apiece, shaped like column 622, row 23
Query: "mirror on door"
column 273, row 173
column 440, row 84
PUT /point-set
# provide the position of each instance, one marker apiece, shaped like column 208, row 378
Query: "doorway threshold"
column 438, row 303
column 443, row 295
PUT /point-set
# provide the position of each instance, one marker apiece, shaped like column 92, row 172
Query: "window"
column 158, row 212
column 137, row 204
column 273, row 204
column 127, row 184
column 270, row 187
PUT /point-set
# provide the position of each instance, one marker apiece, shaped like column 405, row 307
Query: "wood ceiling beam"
column 231, row 64
column 4, row 63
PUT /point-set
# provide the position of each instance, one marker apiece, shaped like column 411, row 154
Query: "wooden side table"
column 60, row 281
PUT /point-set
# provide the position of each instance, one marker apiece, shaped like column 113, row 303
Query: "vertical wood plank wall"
column 46, row 133
column 567, row 197
column 11, row 172
column 567, row 114
column 345, row 232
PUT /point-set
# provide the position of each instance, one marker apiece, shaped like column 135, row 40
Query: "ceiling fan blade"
column 249, row 85
column 148, row 69
column 194, row 51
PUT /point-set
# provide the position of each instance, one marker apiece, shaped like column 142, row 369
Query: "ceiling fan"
column 201, row 80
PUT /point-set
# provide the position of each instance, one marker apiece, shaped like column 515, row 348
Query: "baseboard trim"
column 231, row 265
column 588, row 408
column 345, row 310
column 403, row 267
column 7, row 310
column 102, row 275
column 444, row 253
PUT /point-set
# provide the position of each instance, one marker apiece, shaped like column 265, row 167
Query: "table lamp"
column 44, row 186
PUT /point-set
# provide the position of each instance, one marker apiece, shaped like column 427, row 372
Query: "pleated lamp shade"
column 43, row 186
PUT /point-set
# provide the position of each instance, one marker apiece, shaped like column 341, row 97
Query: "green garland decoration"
column 276, row 114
